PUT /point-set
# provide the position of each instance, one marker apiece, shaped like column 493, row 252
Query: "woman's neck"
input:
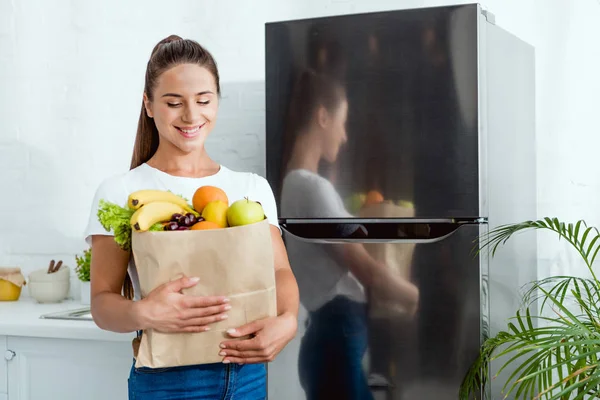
column 306, row 153
column 196, row 164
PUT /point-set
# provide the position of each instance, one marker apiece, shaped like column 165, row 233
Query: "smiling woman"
column 179, row 111
column 190, row 114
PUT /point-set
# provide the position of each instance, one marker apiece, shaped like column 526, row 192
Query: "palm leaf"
column 558, row 361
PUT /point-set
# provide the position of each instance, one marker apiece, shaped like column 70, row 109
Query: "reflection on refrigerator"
column 379, row 128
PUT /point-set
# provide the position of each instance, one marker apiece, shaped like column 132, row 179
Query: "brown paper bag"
column 236, row 262
column 397, row 256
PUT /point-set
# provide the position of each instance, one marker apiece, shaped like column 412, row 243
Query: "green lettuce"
column 116, row 219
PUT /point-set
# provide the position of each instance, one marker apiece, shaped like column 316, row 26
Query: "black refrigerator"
column 395, row 139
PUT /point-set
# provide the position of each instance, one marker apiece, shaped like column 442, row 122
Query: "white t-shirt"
column 319, row 275
column 236, row 185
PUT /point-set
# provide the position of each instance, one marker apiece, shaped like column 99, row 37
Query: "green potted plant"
column 553, row 352
column 83, row 274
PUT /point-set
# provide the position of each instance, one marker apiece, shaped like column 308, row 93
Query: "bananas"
column 152, row 213
column 140, row 198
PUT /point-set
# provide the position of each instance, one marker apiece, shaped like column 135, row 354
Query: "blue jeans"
column 331, row 352
column 206, row 382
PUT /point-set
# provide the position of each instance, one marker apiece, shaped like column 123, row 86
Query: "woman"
column 332, row 278
column 179, row 110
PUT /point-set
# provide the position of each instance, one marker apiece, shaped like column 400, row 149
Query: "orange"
column 202, row 225
column 373, row 197
column 206, row 194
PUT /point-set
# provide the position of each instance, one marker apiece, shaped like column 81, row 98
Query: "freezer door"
column 397, row 319
column 411, row 83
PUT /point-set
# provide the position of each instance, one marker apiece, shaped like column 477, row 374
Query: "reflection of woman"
column 331, row 277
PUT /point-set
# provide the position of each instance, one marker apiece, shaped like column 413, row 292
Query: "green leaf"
column 116, row 219
column 84, row 262
column 560, row 359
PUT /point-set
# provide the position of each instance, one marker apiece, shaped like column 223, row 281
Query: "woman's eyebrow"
column 178, row 95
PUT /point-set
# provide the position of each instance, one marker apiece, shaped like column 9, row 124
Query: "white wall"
column 71, row 78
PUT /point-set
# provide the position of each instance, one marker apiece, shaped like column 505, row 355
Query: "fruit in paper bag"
column 153, row 213
column 207, row 194
column 245, row 212
column 355, row 202
column 181, row 222
column 204, row 225
column 216, row 211
column 405, row 204
column 140, row 198
column 373, row 197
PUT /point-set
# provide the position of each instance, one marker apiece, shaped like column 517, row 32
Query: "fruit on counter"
column 355, row 202
column 207, row 194
column 245, row 212
column 216, row 211
column 140, row 198
column 204, row 225
column 373, row 197
column 152, row 213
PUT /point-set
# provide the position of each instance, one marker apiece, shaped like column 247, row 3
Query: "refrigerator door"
column 411, row 81
column 355, row 340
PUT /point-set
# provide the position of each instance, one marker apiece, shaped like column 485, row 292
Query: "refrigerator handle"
column 390, row 232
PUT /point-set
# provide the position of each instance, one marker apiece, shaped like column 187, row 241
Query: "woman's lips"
column 190, row 132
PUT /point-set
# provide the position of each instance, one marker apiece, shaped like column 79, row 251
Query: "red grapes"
column 182, row 222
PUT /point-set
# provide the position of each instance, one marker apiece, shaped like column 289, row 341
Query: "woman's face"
column 184, row 106
column 335, row 132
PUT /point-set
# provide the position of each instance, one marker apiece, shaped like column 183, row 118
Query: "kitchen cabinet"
column 66, row 369
column 3, row 371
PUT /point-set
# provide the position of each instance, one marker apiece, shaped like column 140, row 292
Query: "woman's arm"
column 288, row 297
column 164, row 309
column 110, row 310
column 376, row 276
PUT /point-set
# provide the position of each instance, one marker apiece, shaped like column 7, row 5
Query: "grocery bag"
column 236, row 262
column 396, row 256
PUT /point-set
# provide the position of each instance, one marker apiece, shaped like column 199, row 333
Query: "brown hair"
column 311, row 91
column 168, row 53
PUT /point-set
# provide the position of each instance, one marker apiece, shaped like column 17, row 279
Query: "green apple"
column 355, row 202
column 406, row 204
column 245, row 212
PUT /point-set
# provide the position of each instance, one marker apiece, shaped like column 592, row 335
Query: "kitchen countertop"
column 22, row 318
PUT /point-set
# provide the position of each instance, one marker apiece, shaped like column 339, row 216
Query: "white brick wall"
column 71, row 80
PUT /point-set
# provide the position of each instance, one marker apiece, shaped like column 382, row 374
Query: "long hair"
column 311, row 91
column 168, row 53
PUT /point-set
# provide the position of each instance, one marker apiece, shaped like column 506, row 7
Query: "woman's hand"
column 407, row 293
column 268, row 337
column 166, row 309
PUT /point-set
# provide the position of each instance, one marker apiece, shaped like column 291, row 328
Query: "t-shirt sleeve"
column 315, row 197
column 111, row 190
column 263, row 193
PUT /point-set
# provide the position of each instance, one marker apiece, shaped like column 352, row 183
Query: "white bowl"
column 48, row 292
column 42, row 275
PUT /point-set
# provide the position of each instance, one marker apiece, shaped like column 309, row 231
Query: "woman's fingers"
column 193, row 313
column 193, row 329
column 253, row 360
column 205, row 320
column 203, row 301
column 262, row 354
